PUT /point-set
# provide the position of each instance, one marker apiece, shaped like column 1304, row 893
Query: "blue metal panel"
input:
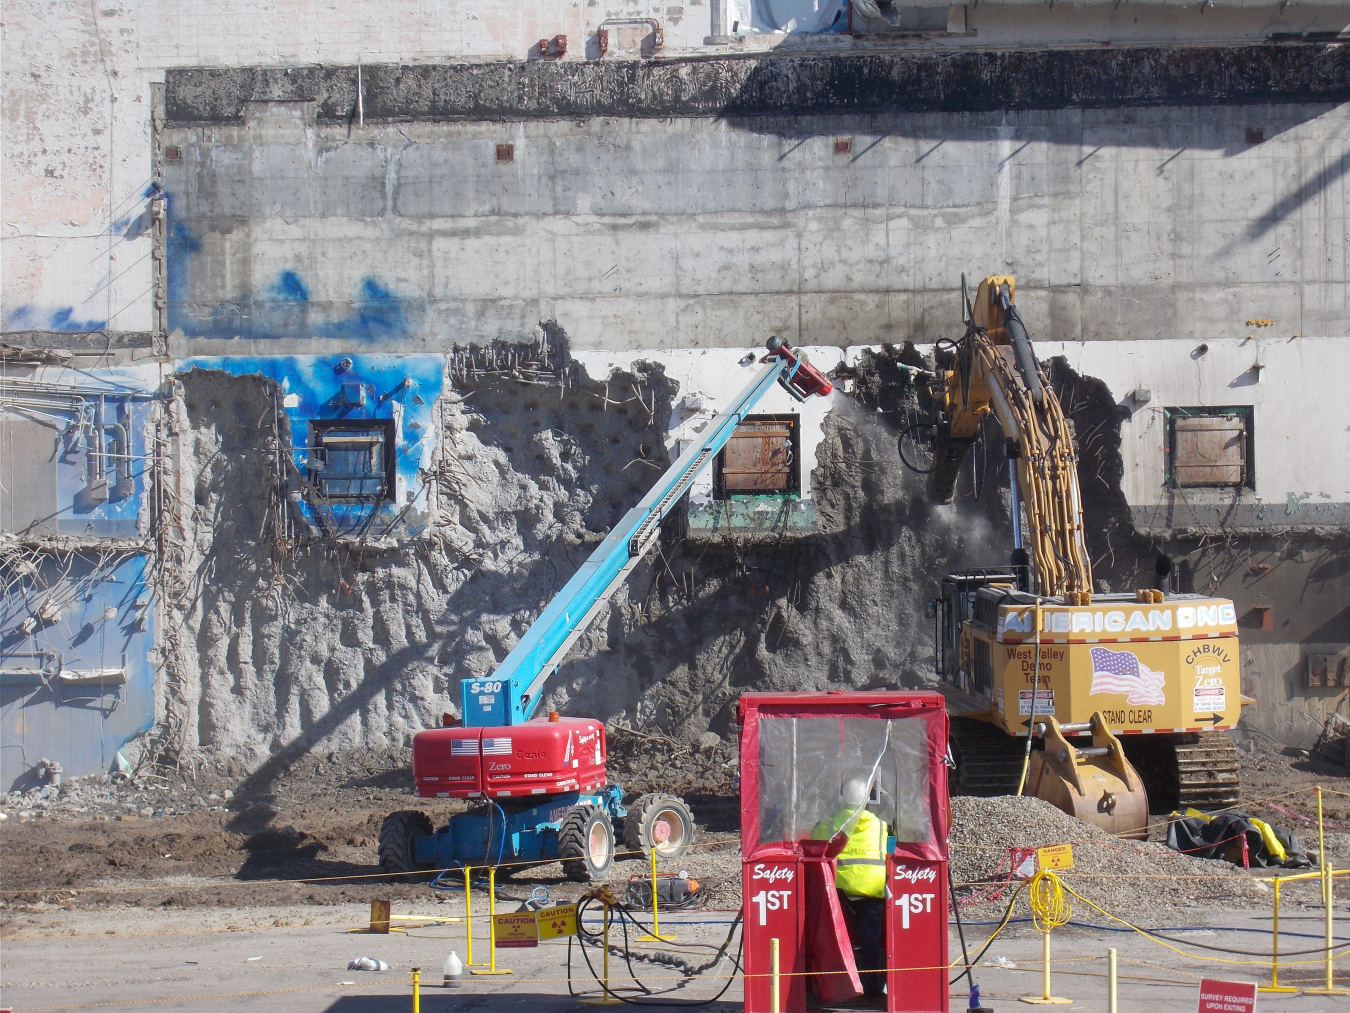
column 91, row 614
column 69, row 403
column 483, row 703
column 402, row 388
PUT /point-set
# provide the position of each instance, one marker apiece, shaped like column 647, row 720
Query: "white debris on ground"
column 110, row 796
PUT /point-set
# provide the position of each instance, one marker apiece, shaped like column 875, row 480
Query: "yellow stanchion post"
column 1048, row 911
column 655, row 936
column 775, row 997
column 1275, row 985
column 492, row 926
column 1111, row 981
column 607, row 998
column 1328, row 902
column 417, row 989
column 468, row 919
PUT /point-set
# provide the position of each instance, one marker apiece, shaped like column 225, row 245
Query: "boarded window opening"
column 761, row 459
column 352, row 459
column 1210, row 447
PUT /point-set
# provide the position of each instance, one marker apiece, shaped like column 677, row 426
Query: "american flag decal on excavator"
column 1123, row 672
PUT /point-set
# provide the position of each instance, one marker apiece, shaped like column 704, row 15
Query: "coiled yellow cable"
column 1049, row 908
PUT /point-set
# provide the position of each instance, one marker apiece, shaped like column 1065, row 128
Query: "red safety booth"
column 798, row 750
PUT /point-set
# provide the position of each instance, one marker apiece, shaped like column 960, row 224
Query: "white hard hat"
column 855, row 791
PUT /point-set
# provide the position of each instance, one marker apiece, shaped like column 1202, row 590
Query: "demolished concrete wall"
column 354, row 644
column 347, row 644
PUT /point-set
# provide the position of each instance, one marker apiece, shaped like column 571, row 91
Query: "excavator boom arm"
column 996, row 372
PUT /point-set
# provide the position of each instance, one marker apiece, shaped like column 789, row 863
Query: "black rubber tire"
column 643, row 815
column 396, row 839
column 586, row 843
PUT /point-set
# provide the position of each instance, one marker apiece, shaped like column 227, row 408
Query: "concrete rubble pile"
column 1140, row 881
column 108, row 797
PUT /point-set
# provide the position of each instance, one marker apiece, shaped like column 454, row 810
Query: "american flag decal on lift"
column 463, row 747
column 496, row 747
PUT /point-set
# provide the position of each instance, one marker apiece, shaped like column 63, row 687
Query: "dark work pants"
column 869, row 943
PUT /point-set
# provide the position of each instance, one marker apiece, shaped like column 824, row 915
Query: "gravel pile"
column 1136, row 880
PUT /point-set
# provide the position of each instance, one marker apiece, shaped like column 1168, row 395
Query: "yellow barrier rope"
column 1190, row 956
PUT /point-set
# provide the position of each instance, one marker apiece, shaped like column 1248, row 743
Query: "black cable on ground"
column 961, row 932
column 625, row 916
column 1007, row 912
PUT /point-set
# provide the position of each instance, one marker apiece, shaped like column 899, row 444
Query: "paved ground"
column 293, row 960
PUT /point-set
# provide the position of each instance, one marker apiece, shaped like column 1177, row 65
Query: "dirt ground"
column 305, row 833
column 212, row 838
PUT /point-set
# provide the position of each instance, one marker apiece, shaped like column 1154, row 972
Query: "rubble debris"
column 1139, row 880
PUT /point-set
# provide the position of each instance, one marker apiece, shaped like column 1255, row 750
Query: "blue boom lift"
column 577, row 826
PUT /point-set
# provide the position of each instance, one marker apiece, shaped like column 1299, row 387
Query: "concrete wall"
column 78, row 669
column 402, row 389
column 1166, row 190
column 80, row 84
column 1156, row 223
column 1301, row 423
column 81, row 684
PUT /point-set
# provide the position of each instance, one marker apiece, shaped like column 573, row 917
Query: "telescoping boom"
column 511, row 694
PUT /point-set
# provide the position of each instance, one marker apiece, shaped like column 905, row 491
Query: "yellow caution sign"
column 557, row 921
column 519, row 928
column 1056, row 856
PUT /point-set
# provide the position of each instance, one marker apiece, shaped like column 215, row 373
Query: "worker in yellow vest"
column 860, row 878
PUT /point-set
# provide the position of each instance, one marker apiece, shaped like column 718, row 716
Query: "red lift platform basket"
column 798, row 750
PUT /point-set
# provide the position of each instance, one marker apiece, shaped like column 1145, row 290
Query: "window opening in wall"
column 762, row 458
column 1210, row 447
column 352, row 459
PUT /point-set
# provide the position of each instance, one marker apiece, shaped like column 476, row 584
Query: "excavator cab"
column 951, row 613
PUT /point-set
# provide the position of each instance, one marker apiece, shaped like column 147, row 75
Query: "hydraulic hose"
column 1021, row 342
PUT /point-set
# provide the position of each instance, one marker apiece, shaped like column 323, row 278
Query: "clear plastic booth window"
column 804, row 764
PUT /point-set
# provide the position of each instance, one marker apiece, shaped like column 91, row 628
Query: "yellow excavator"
column 1032, row 661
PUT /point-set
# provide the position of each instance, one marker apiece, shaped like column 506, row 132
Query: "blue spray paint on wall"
column 334, row 398
column 61, row 318
column 284, row 308
column 75, row 318
column 76, row 680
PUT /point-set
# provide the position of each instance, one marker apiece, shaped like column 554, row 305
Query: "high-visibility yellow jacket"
column 860, row 869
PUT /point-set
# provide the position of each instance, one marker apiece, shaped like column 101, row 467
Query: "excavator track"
column 1207, row 769
column 988, row 760
column 1197, row 769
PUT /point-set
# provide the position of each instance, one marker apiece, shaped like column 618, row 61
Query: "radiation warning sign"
column 557, row 921
column 516, row 929
column 1056, row 856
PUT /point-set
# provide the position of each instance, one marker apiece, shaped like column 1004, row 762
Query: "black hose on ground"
column 625, row 916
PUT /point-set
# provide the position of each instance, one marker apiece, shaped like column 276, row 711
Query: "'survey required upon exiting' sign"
column 1227, row 996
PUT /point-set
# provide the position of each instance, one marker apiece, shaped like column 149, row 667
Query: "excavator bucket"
column 1095, row 784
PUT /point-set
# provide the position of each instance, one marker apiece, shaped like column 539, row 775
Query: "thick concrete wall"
column 1151, row 223
column 835, row 84
column 80, row 84
column 1297, row 426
